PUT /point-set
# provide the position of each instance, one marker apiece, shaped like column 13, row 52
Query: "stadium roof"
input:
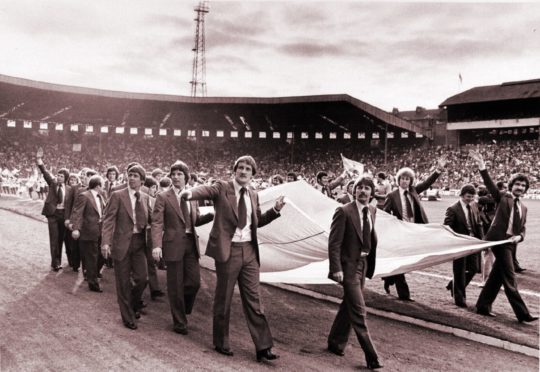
column 15, row 89
column 513, row 90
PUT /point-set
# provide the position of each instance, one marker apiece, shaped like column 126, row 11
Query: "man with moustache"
column 54, row 210
column 86, row 225
column 352, row 247
column 463, row 217
column 404, row 203
column 508, row 224
column 111, row 181
column 124, row 239
column 175, row 240
column 234, row 246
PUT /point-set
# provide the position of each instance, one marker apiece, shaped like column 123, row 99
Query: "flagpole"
column 385, row 144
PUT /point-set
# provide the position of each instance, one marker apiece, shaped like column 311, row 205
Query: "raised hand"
column 39, row 153
column 441, row 163
column 280, row 203
column 478, row 158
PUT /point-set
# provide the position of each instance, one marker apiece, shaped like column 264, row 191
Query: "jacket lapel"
column 232, row 199
column 93, row 201
column 127, row 203
column 173, row 200
column 461, row 214
column 355, row 218
column 399, row 205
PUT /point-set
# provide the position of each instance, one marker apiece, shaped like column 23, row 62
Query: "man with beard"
column 508, row 224
column 352, row 247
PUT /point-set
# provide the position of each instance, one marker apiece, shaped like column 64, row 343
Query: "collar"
column 94, row 192
column 132, row 191
column 237, row 186
column 361, row 206
column 402, row 190
column 463, row 205
column 177, row 191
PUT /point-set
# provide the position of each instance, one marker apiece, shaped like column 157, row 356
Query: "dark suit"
column 347, row 254
column 180, row 250
column 127, row 250
column 55, row 218
column 235, row 262
column 86, row 219
column 464, row 268
column 502, row 273
column 393, row 206
column 72, row 244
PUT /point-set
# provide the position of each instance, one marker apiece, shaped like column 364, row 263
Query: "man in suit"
column 234, row 247
column 124, row 238
column 352, row 247
column 54, row 210
column 404, row 203
column 348, row 196
column 175, row 240
column 86, row 225
column 382, row 189
column 508, row 224
column 463, row 217
column 325, row 186
column 111, row 181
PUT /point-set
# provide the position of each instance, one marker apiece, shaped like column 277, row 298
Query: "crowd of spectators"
column 212, row 157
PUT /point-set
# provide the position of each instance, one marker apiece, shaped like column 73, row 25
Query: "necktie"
column 408, row 206
column 140, row 220
column 516, row 222
column 60, row 194
column 187, row 215
column 242, row 209
column 469, row 221
column 366, row 231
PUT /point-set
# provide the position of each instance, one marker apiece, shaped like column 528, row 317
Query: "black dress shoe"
column 334, row 349
column 387, row 287
column 374, row 364
column 485, row 313
column 75, row 269
column 406, row 299
column 227, row 352
column 519, row 269
column 95, row 288
column 449, row 287
column 528, row 318
column 266, row 354
column 461, row 304
column 130, row 325
column 155, row 294
column 57, row 268
column 181, row 330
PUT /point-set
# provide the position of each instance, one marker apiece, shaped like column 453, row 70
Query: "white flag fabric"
column 353, row 167
column 294, row 247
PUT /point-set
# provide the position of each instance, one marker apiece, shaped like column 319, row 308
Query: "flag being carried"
column 353, row 167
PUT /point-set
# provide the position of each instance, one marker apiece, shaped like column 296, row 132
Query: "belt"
column 240, row 244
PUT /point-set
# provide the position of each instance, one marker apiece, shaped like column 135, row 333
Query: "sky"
column 388, row 54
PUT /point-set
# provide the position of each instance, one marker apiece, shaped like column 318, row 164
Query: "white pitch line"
column 478, row 284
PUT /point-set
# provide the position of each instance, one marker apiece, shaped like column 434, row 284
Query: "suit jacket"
column 169, row 226
column 456, row 220
column 118, row 222
column 49, row 208
column 393, row 206
column 505, row 201
column 226, row 218
column 85, row 217
column 106, row 186
column 345, row 241
column 71, row 196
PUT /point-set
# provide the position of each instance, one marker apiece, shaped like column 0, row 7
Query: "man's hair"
column 74, row 175
column 483, row 192
column 139, row 170
column 248, row 159
column 350, row 183
column 95, row 181
column 467, row 189
column 293, row 175
column 64, row 172
column 157, row 171
column 91, row 172
column 500, row 184
column 193, row 177
column 405, row 172
column 278, row 178
column 518, row 177
column 132, row 164
column 381, row 175
column 321, row 174
column 182, row 167
column 165, row 182
column 150, row 181
column 112, row 168
column 365, row 181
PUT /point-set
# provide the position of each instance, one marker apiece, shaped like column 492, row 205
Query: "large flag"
column 353, row 167
column 294, row 247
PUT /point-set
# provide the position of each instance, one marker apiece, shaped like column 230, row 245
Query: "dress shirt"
column 60, row 204
column 464, row 207
column 509, row 231
column 404, row 206
column 243, row 235
column 133, row 200
column 360, row 213
column 98, row 202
